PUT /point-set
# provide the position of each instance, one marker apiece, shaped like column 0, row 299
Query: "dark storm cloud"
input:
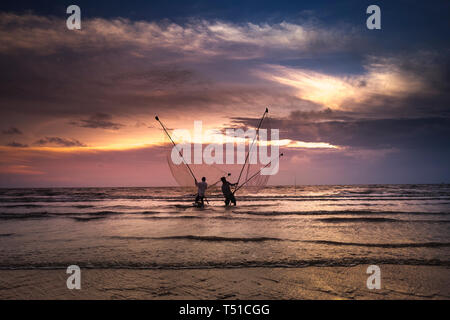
column 12, row 131
column 98, row 121
column 62, row 142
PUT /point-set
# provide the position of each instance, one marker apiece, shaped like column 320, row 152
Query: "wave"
column 336, row 212
column 350, row 195
column 42, row 206
column 120, row 206
column 180, row 206
column 22, row 206
column 368, row 191
column 121, row 212
column 204, row 217
column 201, row 238
column 262, row 239
column 233, row 215
column 375, row 220
column 6, row 234
column 31, row 215
column 46, row 214
column 112, row 213
column 175, row 217
column 345, row 262
column 87, row 219
column 383, row 245
column 365, row 219
column 50, row 200
column 201, row 217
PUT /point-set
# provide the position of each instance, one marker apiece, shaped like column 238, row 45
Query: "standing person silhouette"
column 201, row 188
column 229, row 196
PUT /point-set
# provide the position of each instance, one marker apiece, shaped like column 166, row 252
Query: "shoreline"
column 397, row 282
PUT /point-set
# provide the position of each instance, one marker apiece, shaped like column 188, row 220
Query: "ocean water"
column 288, row 227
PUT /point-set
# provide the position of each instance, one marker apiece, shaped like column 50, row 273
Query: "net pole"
column 212, row 185
column 237, row 188
column 179, row 152
column 248, row 153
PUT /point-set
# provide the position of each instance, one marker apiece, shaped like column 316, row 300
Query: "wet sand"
column 397, row 282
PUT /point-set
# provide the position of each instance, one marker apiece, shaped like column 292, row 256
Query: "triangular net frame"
column 213, row 172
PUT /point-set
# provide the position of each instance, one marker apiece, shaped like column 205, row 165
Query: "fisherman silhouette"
column 201, row 188
column 229, row 196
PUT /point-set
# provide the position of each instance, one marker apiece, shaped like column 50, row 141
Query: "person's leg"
column 233, row 199
column 197, row 198
column 227, row 201
column 203, row 201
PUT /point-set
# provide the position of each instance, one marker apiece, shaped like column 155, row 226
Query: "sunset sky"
column 77, row 107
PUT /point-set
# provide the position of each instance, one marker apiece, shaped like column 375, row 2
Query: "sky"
column 359, row 106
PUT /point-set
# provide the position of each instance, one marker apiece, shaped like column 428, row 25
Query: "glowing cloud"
column 381, row 78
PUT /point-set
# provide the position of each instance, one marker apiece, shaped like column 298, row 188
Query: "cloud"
column 119, row 67
column 147, row 166
column 98, row 120
column 383, row 77
column 149, row 67
column 62, row 142
column 117, row 74
column 195, row 38
column 157, row 78
column 362, row 133
column 12, row 131
column 16, row 145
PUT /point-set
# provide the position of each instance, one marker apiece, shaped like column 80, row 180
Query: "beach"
column 306, row 242
column 335, row 283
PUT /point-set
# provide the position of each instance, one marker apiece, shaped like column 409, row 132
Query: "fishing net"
column 245, row 164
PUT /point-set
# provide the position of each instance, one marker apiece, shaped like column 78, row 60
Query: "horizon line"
column 280, row 185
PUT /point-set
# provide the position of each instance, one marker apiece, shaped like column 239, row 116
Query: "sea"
column 158, row 228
